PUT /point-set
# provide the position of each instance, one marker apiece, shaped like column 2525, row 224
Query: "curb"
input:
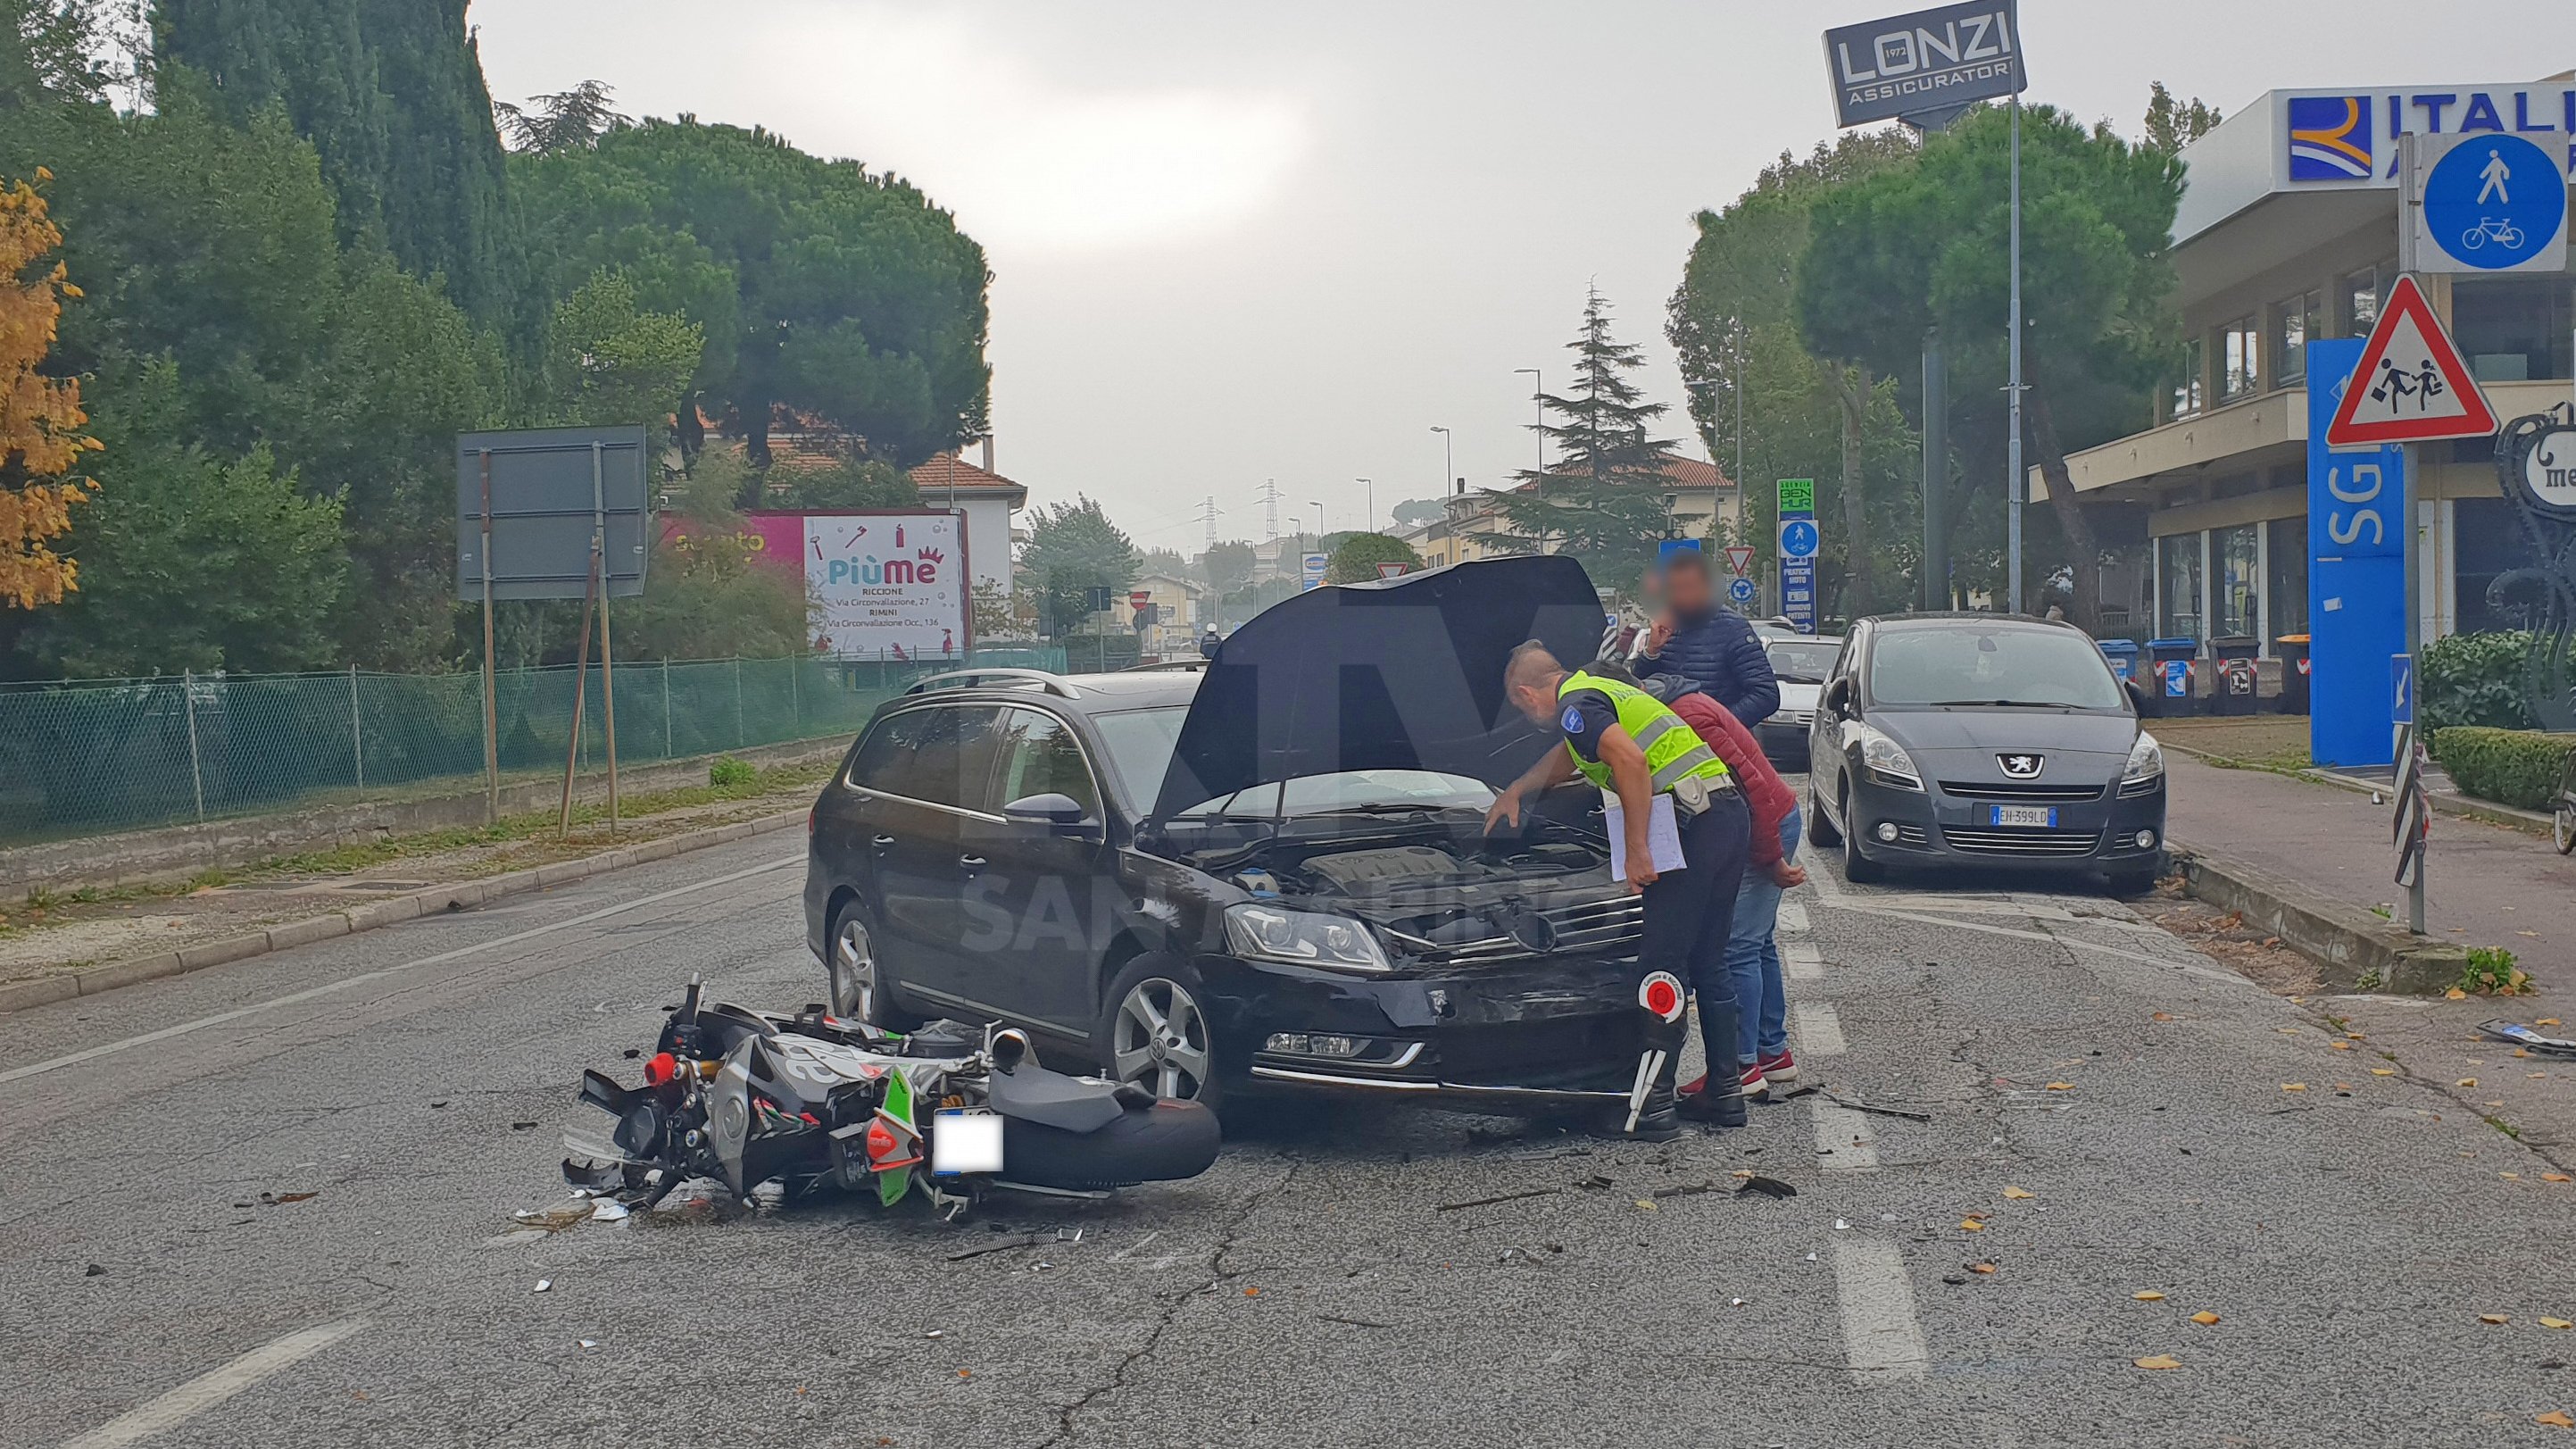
column 2352, row 944
column 385, row 911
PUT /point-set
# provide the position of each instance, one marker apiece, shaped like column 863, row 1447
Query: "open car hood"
column 1403, row 673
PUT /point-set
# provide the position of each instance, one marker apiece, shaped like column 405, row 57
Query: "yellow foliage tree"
column 40, row 417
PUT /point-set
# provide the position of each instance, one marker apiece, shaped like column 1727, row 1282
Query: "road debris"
column 2148, row 1295
column 1768, row 1187
column 2527, row 1038
column 1875, row 1110
column 545, row 1285
column 2158, row 1361
column 1451, row 1207
column 2017, row 1194
column 2204, row 1318
column 281, row 1199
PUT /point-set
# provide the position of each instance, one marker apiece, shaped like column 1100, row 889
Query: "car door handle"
column 970, row 863
column 883, row 843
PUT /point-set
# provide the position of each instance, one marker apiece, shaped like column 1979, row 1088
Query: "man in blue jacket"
column 1710, row 645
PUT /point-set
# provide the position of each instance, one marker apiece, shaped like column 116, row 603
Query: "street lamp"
column 1538, row 395
column 1371, row 485
column 1319, row 521
column 1448, row 459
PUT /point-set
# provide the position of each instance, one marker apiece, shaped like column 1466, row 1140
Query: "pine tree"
column 1602, row 499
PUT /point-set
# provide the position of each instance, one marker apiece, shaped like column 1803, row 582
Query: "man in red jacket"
column 1752, row 953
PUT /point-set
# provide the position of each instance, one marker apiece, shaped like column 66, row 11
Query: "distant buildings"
column 1697, row 496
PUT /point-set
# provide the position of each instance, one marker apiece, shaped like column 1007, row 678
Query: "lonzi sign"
column 1937, row 62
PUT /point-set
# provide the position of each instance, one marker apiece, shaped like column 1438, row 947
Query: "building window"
column 2238, row 599
column 2515, row 329
column 2358, row 308
column 2495, row 571
column 2293, row 323
column 2288, row 581
column 2178, row 585
column 2240, row 348
column 2187, row 396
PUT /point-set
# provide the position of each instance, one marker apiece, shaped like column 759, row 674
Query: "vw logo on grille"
column 2020, row 767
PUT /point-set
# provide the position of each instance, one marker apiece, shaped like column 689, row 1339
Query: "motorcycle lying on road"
column 741, row 1097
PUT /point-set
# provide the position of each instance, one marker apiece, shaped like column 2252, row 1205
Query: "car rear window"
column 942, row 753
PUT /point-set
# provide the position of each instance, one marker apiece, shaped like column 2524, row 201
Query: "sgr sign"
column 1932, row 60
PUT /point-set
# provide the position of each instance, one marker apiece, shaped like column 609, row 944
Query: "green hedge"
column 2476, row 679
column 2510, row 767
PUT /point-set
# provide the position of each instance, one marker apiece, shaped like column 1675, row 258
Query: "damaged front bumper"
column 1555, row 1028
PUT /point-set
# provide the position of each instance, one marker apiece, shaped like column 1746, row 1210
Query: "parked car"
column 1800, row 663
column 1270, row 872
column 1986, row 740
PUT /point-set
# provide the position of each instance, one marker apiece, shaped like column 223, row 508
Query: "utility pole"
column 1538, row 399
column 1209, row 511
column 1270, row 496
column 1936, row 471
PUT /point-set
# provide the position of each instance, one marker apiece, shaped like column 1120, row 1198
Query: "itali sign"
column 2346, row 138
column 1941, row 60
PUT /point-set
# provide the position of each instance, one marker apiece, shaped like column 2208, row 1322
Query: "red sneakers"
column 1756, row 1087
column 1782, row 1068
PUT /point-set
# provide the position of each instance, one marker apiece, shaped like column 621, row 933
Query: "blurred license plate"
column 965, row 1142
column 2042, row 816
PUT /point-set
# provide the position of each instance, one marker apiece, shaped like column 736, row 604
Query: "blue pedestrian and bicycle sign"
column 1798, row 538
column 2491, row 202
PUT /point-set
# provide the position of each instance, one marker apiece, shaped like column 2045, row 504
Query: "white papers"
column 1663, row 836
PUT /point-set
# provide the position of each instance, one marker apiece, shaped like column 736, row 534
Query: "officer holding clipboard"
column 1647, row 759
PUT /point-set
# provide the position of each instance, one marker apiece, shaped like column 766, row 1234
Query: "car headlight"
column 1306, row 938
column 2146, row 760
column 1887, row 761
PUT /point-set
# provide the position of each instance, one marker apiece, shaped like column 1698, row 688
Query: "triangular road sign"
column 2411, row 385
column 1739, row 557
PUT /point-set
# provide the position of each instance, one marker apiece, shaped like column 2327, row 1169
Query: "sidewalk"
column 2486, row 885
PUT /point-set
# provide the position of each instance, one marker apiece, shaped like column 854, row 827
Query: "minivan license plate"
column 2042, row 816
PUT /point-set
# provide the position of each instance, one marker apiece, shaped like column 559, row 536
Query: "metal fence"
column 86, row 758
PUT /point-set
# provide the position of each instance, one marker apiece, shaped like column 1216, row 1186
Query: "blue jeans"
column 1753, row 958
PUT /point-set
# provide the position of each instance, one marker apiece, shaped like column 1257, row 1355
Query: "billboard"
column 1929, row 63
column 888, row 583
column 547, row 489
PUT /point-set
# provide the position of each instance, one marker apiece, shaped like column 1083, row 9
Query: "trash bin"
column 2170, row 691
column 2123, row 654
column 2232, row 691
column 2294, row 673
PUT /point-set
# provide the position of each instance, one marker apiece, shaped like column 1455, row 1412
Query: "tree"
column 1074, row 551
column 707, row 594
column 1733, row 323
column 1911, row 247
column 854, row 483
column 1164, row 561
column 572, row 120
column 1602, row 500
column 2171, row 124
column 1356, row 561
column 391, row 94
column 193, row 562
column 608, row 361
column 830, row 295
column 40, row 415
column 1415, row 512
column 1229, row 565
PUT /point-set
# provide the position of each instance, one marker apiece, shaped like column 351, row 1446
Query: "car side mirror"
column 1838, row 696
column 1060, row 813
column 2137, row 697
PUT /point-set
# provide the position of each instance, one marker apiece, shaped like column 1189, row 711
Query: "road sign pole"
column 491, row 702
column 2412, row 800
column 1936, row 472
column 2015, row 483
column 607, row 665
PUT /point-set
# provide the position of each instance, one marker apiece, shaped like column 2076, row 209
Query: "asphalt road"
column 1318, row 1287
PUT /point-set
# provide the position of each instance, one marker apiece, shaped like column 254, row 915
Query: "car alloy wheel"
column 1159, row 1039
column 855, row 989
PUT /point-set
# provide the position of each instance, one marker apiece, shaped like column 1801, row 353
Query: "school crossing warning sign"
column 2411, row 385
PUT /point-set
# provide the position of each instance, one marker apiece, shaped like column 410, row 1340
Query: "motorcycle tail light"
column 660, row 1068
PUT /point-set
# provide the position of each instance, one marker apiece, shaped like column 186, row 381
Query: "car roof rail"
column 1054, row 684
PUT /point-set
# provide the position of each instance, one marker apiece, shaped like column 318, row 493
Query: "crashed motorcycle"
column 742, row 1097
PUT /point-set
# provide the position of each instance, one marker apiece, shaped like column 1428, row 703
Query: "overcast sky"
column 1236, row 243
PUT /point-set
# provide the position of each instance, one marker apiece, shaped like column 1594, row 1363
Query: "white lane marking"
column 1793, row 918
column 1881, row 1335
column 1843, row 1143
column 1800, row 962
column 1819, row 1028
column 2210, row 973
column 199, row 1394
column 332, row 987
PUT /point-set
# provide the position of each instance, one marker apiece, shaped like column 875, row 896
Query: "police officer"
column 1631, row 744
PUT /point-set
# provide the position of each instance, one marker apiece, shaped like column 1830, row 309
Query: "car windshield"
column 1140, row 746
column 1807, row 660
column 1972, row 665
